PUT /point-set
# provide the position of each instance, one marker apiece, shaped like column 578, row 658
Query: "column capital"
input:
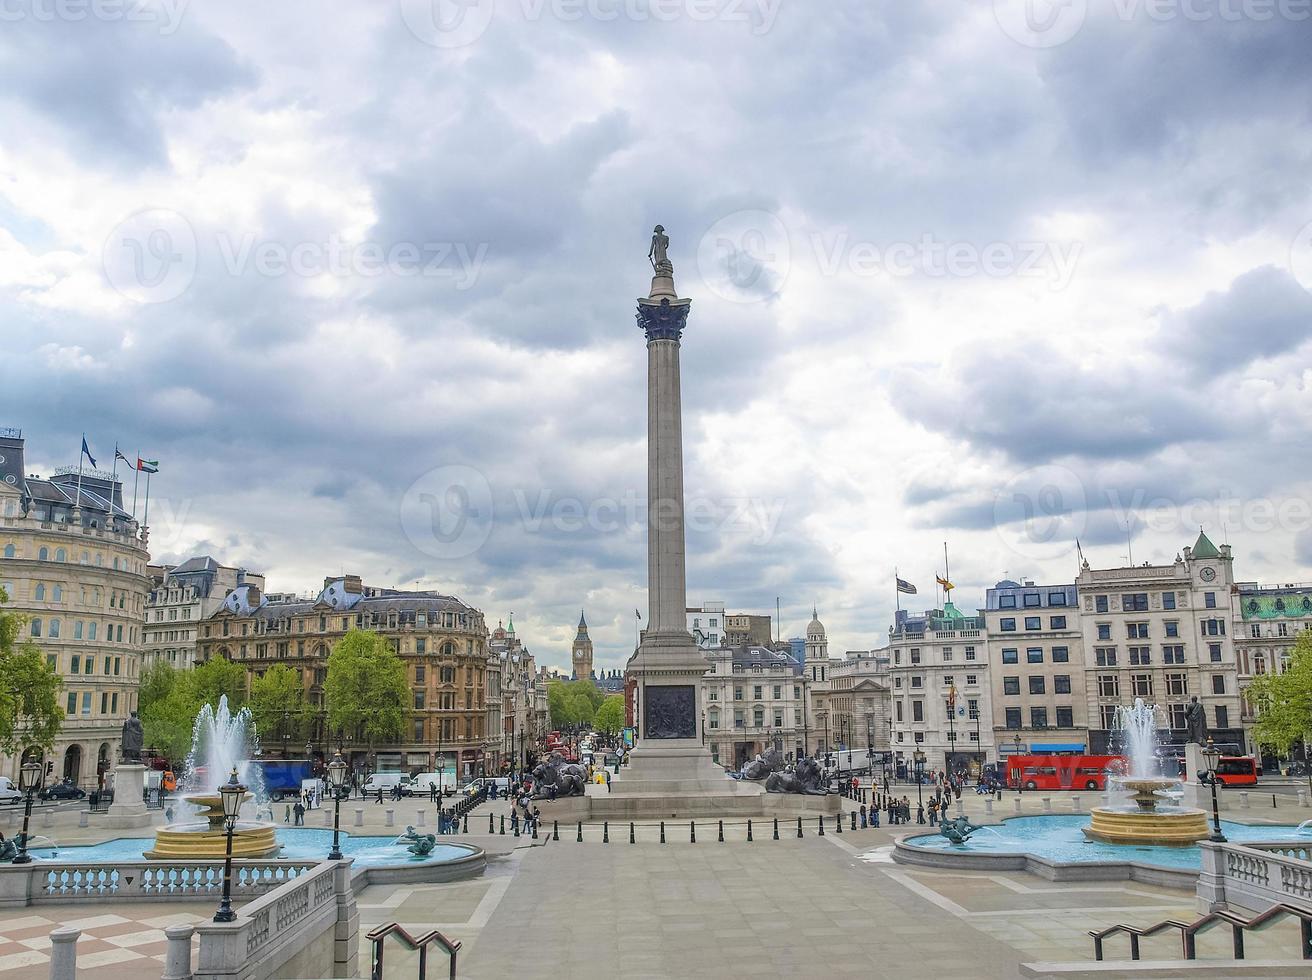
column 663, row 320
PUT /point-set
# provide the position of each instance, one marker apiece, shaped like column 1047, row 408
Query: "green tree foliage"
column 573, row 702
column 367, row 689
column 170, row 700
column 610, row 716
column 1284, row 701
column 218, row 677
column 279, row 707
column 30, row 713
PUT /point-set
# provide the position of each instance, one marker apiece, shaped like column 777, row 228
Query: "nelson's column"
column 670, row 758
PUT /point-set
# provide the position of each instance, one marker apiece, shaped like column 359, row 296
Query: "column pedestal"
column 128, row 809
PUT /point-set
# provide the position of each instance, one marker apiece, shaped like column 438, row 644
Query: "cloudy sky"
column 362, row 276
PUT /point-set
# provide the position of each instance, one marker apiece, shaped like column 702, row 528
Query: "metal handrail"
column 377, row 936
column 1189, row 930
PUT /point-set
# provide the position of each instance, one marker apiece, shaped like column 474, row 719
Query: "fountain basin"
column 1160, row 826
column 205, row 837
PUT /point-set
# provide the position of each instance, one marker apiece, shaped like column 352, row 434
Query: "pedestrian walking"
column 299, row 811
column 287, row 817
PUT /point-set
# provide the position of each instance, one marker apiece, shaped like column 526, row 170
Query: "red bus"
column 1235, row 770
column 1049, row 772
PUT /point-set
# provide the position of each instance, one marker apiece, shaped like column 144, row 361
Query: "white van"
column 421, row 783
column 384, row 781
column 502, row 783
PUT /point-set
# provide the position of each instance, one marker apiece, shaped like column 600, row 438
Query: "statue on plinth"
column 657, row 254
column 1195, row 722
column 133, row 739
column 556, row 778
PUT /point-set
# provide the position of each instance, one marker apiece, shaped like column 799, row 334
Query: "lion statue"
column 762, row 766
column 806, row 778
column 568, row 778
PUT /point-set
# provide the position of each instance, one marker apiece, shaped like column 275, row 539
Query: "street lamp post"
column 29, row 779
column 337, row 779
column 1212, row 756
column 232, row 793
column 919, row 757
column 1015, row 741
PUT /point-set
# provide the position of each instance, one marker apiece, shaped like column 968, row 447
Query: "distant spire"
column 583, row 623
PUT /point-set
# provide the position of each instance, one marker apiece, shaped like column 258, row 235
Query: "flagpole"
column 135, row 480
column 897, row 594
column 112, row 480
column 145, row 517
column 77, row 501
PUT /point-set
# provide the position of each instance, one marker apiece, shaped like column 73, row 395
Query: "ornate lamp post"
column 29, row 780
column 1212, row 756
column 1015, row 741
column 232, row 793
column 337, row 779
column 919, row 757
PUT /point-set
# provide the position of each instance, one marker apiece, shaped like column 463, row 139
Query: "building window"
column 1172, row 654
column 1109, row 686
column 1010, row 655
column 1168, row 600
column 970, row 653
column 1006, row 602
column 917, row 681
column 1136, row 631
column 36, row 627
column 1007, row 625
column 86, row 702
column 917, row 710
column 1037, row 684
column 972, row 680
column 1034, row 655
column 1061, row 655
column 1222, row 716
column 713, row 717
column 1212, row 627
column 1134, row 602
column 1141, row 685
column 1057, row 599
column 72, row 703
column 1104, row 656
column 1061, row 684
column 1034, row 622
column 1175, row 716
column 897, row 710
column 1209, row 600
column 1140, row 656
column 1011, row 685
column 1108, row 715
column 915, row 655
column 1176, row 685
column 1013, row 719
column 1104, row 631
column 1065, row 716
column 1031, row 600
column 972, row 709
column 947, row 655
column 1214, row 649
column 1172, row 629
column 1038, row 717
column 1057, row 622
column 758, row 717
column 1218, row 683
column 1100, row 603
column 419, row 700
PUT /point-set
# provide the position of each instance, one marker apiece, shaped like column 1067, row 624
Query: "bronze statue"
column 660, row 244
column 420, row 845
column 761, row 767
column 1195, row 722
column 133, row 738
column 567, row 778
column 806, row 778
column 957, row 830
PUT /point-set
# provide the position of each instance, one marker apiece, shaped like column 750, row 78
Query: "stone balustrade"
column 41, row 883
column 1253, row 876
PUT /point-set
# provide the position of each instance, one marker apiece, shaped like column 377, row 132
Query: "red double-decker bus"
column 1050, row 772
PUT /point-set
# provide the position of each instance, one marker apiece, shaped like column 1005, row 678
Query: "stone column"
column 63, row 953
column 177, row 958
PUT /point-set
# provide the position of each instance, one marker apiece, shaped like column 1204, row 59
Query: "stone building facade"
column 181, row 596
column 442, row 640
column 860, row 700
column 74, row 564
column 1266, row 623
column 753, row 699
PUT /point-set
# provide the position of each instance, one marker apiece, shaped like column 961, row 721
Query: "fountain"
column 220, row 743
column 1147, row 819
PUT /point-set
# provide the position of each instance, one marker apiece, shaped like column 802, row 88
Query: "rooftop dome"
column 244, row 600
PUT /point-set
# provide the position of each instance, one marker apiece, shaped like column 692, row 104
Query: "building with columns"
column 1162, row 633
column 860, row 700
column 74, row 564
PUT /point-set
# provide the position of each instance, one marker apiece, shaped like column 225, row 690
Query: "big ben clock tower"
column 582, row 651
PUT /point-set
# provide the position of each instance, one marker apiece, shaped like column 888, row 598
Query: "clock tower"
column 582, row 651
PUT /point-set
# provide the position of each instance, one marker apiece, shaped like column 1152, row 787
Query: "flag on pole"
column 904, row 586
column 947, row 586
column 86, row 451
column 147, row 465
column 638, row 614
column 118, row 454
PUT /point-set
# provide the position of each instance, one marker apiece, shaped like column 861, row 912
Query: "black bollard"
column 579, row 836
column 776, row 828
column 605, row 832
column 838, row 822
column 1273, row 801
column 853, row 820
column 749, row 829
column 692, row 831
column 662, row 831
column 535, row 830
column 555, row 830
column 630, row 831
column 721, row 832
column 503, row 825
column 465, row 827
column 799, row 827
column 821, row 821
column 515, row 827
column 491, row 827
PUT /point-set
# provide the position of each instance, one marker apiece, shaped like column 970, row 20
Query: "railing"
column 1189, row 931
column 136, row 880
column 378, row 936
column 1254, row 875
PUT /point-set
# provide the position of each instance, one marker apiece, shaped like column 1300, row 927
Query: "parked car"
column 9, row 792
column 61, row 791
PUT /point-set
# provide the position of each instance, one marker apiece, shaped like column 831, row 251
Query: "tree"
column 30, row 714
column 581, row 709
column 610, row 716
column 216, row 678
column 1284, row 701
column 278, row 705
column 573, row 702
column 367, row 689
column 167, row 706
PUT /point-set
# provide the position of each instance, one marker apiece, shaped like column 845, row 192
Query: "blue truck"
column 282, row 777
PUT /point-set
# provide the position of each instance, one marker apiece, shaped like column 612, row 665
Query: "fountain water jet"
column 220, row 743
column 1148, row 820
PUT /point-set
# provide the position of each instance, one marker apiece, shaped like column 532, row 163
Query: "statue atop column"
column 134, row 738
column 1195, row 722
column 660, row 243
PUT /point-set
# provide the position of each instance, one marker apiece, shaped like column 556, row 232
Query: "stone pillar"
column 1302, row 797
column 63, row 953
column 83, row 819
column 961, row 808
column 1047, row 804
column 389, row 817
column 327, row 818
column 47, row 818
column 1243, row 799
column 1075, row 804
column 1017, row 801
column 420, row 816
column 988, row 806
column 128, row 809
column 346, row 933
column 1194, row 793
column 359, row 817
column 1210, row 891
column 177, row 958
